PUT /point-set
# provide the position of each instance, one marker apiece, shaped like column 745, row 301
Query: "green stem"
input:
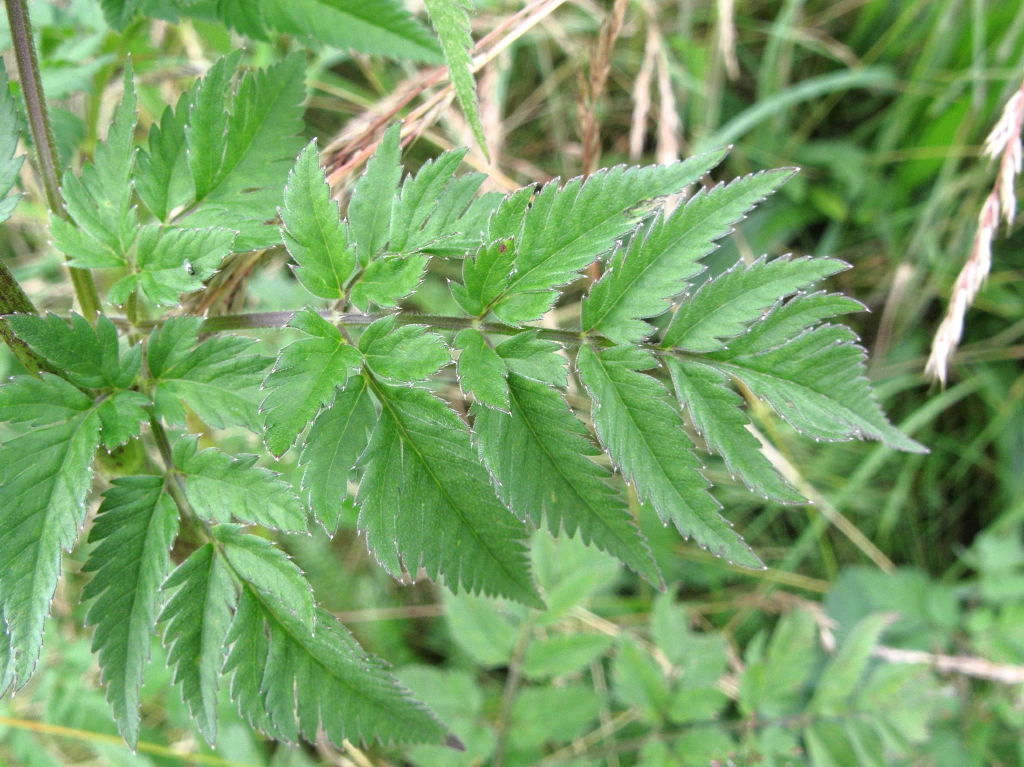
column 14, row 301
column 42, row 139
column 508, row 696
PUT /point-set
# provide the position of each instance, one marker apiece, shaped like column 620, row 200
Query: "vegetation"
column 326, row 441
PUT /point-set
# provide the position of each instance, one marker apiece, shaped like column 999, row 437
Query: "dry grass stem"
column 979, row 668
column 1004, row 144
column 727, row 37
column 600, row 67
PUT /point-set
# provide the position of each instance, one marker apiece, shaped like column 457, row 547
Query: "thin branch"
column 508, row 696
column 42, row 139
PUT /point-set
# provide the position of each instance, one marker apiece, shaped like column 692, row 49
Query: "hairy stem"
column 42, row 139
column 14, row 301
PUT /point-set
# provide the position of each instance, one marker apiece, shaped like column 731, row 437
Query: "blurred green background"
column 832, row 656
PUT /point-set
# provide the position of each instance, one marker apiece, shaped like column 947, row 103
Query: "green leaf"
column 485, row 277
column 644, row 436
column 376, row 27
column 426, row 501
column 161, row 172
column 538, row 457
column 406, row 353
column 816, row 382
column 268, row 571
column 100, row 201
column 370, row 210
column 534, row 358
column 563, row 654
column 313, row 231
column 335, row 441
column 304, row 378
column 120, row 417
column 388, row 280
column 135, row 527
column 639, row 682
column 88, row 356
column 481, row 371
column 221, row 487
column 566, row 228
column 457, row 224
column 208, row 123
column 451, row 22
column 217, row 379
column 641, row 278
column 726, row 305
column 197, row 619
column 45, row 475
column 10, row 165
column 716, row 414
column 39, row 401
column 292, row 681
column 841, row 676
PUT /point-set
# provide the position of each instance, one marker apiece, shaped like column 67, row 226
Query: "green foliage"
column 9, row 164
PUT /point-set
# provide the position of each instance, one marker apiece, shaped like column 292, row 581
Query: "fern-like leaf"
column 644, row 436
column 136, row 524
column 426, row 501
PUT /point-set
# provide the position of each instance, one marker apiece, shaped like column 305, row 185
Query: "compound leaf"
column 428, row 203
column 197, row 620
column 335, row 441
column 304, row 378
column 370, row 210
column 293, row 681
column 221, row 487
column 644, row 436
column 426, row 501
column 39, row 401
column 482, row 373
column 135, row 527
column 313, row 231
column 662, row 256
column 120, row 417
column 406, row 353
column 161, row 172
column 726, row 305
column 716, row 414
column 45, row 475
column 387, row 280
column 537, row 454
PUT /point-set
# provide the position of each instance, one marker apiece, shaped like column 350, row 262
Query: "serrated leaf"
column 39, row 401
column 162, row 175
column 405, row 353
column 120, row 417
column 485, row 277
column 716, row 414
column 292, row 681
column 45, row 476
column 208, row 123
column 563, row 654
column 451, row 22
column 221, row 487
column 197, row 620
column 135, row 527
column 10, row 165
column 100, row 200
column 644, row 436
column 642, row 278
column 817, row 382
column 268, row 571
column 534, row 358
column 481, row 371
column 335, row 441
column 566, row 228
column 88, row 357
column 726, row 305
column 304, row 378
column 388, row 280
column 313, row 231
column 426, row 501
column 537, row 455
column 370, row 210
column 217, row 379
column 376, row 27
column 428, row 203
column 842, row 674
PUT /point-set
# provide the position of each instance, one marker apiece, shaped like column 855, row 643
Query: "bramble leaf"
column 538, row 457
column 426, row 501
column 482, row 372
column 335, row 441
column 726, row 305
column 313, row 231
column 717, row 417
column 135, row 527
column 197, row 620
column 292, row 681
column 304, row 378
column 221, row 487
column 642, row 277
column 216, row 379
column 405, row 353
column 644, row 436
column 45, row 475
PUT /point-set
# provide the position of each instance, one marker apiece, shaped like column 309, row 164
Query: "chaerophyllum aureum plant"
column 456, row 434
